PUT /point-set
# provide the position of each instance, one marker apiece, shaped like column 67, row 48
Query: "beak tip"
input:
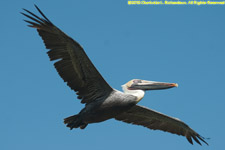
column 176, row 85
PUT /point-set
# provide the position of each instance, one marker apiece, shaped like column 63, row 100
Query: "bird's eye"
column 136, row 81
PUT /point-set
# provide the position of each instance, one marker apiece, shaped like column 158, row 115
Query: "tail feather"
column 74, row 122
column 70, row 119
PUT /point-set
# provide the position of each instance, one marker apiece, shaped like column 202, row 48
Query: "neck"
column 139, row 94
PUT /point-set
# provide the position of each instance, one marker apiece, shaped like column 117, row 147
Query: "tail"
column 74, row 122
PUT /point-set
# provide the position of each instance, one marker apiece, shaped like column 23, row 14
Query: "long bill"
column 152, row 85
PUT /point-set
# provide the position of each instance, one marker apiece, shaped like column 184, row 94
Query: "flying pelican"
column 102, row 102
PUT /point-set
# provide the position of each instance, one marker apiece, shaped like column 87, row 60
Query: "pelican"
column 102, row 102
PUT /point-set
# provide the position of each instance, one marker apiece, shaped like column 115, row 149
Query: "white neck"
column 137, row 93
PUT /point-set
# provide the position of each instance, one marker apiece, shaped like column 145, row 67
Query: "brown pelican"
column 102, row 102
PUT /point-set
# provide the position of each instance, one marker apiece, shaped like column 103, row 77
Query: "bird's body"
column 104, row 109
column 102, row 102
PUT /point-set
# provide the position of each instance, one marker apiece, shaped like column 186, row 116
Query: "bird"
column 102, row 102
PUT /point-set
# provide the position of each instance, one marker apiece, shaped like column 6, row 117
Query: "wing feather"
column 151, row 119
column 72, row 63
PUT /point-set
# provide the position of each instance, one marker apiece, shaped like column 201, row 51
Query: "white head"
column 138, row 87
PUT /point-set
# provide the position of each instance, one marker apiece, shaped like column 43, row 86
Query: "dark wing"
column 143, row 116
column 71, row 62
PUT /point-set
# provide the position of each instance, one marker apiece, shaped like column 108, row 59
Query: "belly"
column 105, row 110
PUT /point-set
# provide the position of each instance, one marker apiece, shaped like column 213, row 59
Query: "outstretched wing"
column 143, row 116
column 72, row 63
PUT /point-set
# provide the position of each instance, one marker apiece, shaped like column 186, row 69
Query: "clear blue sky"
column 181, row 44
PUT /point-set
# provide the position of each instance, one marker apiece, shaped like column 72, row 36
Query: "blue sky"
column 181, row 44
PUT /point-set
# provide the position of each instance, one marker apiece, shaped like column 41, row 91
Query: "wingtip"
column 203, row 140
column 189, row 139
column 36, row 6
column 39, row 10
column 197, row 138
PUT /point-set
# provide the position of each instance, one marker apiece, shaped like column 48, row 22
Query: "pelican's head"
column 138, row 87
